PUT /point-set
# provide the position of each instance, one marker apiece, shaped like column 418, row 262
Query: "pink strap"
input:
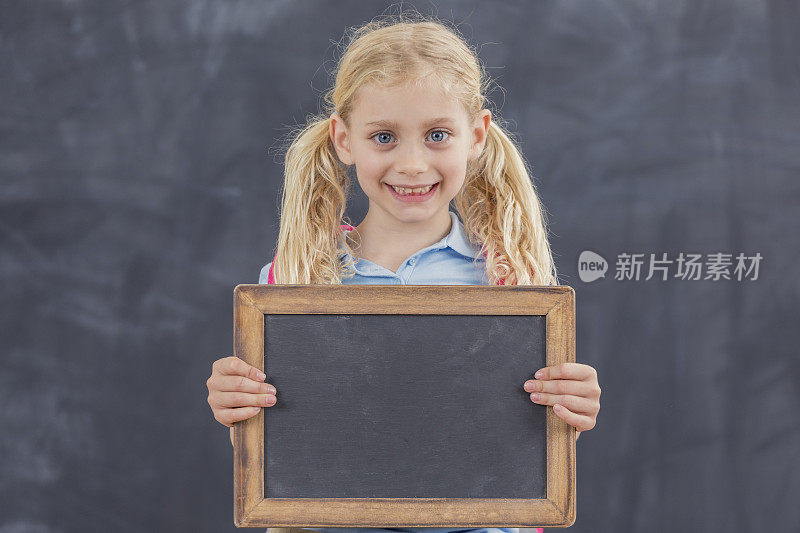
column 270, row 277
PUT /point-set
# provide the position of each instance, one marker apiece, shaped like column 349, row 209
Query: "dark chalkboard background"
column 404, row 406
column 139, row 183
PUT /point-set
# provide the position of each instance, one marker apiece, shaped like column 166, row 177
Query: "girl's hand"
column 573, row 391
column 236, row 391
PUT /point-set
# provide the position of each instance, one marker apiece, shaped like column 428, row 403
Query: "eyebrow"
column 394, row 125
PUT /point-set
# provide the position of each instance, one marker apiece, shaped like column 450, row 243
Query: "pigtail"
column 502, row 211
column 313, row 202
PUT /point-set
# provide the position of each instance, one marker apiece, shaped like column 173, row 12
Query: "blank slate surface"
column 403, row 406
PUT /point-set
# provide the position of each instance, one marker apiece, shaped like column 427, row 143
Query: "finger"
column 229, row 416
column 566, row 371
column 242, row 384
column 577, row 404
column 242, row 399
column 587, row 389
column 578, row 421
column 233, row 366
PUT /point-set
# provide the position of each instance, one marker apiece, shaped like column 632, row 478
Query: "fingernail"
column 536, row 397
column 261, row 375
column 271, row 390
column 538, row 374
column 271, row 400
column 528, row 386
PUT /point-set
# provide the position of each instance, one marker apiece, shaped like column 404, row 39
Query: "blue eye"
column 439, row 131
column 384, row 135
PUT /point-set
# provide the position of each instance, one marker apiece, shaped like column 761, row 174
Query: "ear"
column 340, row 139
column 479, row 132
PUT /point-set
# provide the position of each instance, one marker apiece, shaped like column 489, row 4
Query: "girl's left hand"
column 573, row 391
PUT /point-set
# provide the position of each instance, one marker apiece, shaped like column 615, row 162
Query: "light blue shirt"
column 451, row 261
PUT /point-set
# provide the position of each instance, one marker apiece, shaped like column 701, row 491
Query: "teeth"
column 403, row 190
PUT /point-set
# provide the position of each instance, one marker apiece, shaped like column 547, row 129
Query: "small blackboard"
column 403, row 406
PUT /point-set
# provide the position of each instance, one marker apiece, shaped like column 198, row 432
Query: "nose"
column 411, row 160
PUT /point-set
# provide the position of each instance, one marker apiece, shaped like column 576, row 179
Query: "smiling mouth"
column 412, row 189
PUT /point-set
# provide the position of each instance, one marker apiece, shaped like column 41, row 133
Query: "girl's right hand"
column 236, row 391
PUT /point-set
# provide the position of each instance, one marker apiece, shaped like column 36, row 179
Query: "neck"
column 385, row 240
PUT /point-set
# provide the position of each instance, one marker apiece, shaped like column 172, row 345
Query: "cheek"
column 370, row 168
column 453, row 168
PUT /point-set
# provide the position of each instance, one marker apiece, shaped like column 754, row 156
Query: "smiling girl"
column 407, row 113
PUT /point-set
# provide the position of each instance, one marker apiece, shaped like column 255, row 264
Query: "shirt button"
column 412, row 261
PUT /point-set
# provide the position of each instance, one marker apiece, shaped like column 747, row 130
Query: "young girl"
column 407, row 112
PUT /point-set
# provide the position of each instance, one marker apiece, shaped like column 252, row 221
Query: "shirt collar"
column 456, row 239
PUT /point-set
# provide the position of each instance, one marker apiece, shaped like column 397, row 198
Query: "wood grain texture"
column 248, row 456
column 251, row 509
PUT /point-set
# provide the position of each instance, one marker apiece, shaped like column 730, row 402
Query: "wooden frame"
column 252, row 509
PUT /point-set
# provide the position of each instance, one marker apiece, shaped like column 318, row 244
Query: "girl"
column 407, row 112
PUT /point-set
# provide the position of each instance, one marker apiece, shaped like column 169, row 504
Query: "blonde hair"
column 497, row 203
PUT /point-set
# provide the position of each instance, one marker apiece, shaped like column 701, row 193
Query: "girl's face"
column 410, row 136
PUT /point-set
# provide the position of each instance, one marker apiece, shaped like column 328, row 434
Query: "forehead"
column 410, row 105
